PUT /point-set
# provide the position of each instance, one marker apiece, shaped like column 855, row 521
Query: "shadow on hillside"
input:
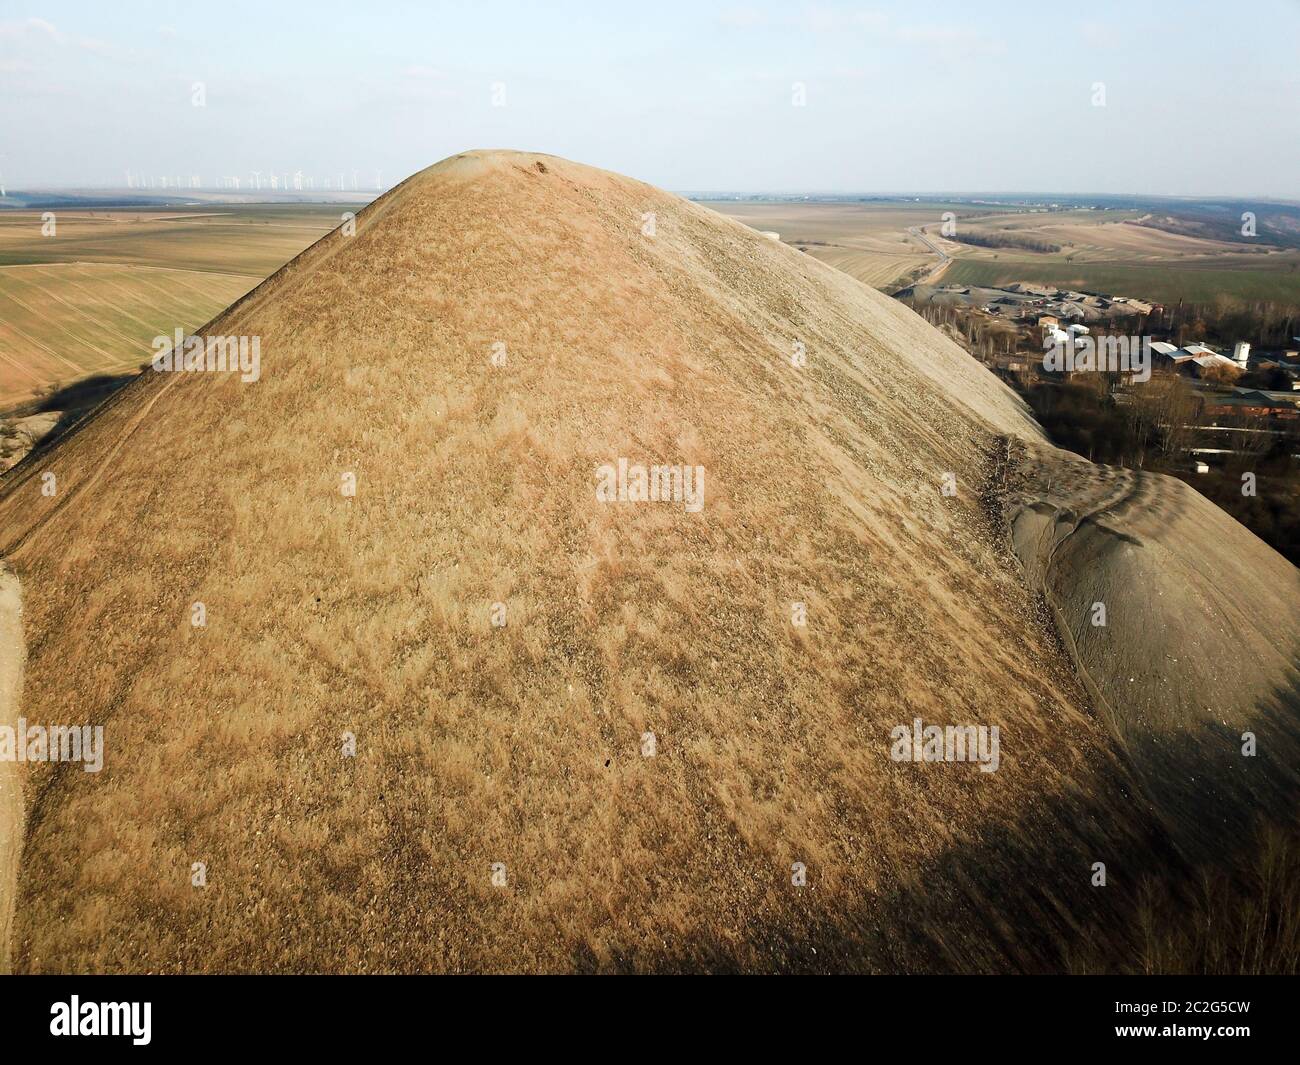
column 1202, row 854
column 82, row 395
column 72, row 403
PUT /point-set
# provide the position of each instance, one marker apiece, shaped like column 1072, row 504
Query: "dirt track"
column 12, row 656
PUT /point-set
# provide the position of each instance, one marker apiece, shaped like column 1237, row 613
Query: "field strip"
column 21, row 368
column 48, row 350
column 265, row 225
column 185, row 217
column 76, row 340
column 101, row 299
column 185, row 284
column 95, row 321
column 83, row 312
column 181, row 298
column 131, row 266
column 171, row 295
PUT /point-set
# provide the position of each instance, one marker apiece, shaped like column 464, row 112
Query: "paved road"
column 944, row 258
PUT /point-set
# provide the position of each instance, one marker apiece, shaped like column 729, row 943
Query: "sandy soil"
column 1196, row 648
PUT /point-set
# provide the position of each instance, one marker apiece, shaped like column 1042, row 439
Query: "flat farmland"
column 253, row 239
column 1163, row 282
column 881, row 244
column 873, row 242
column 874, row 268
column 63, row 321
column 90, row 299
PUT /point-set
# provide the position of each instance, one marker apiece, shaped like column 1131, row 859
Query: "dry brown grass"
column 520, row 745
column 1233, row 917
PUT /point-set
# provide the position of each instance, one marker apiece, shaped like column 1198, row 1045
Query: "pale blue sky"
column 1201, row 98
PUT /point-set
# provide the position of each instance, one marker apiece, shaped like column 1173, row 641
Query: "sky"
column 1183, row 99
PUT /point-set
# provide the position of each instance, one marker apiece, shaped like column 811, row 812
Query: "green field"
column 1166, row 283
column 90, row 299
column 65, row 321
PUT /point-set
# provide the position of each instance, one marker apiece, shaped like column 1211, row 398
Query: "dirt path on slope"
column 12, row 656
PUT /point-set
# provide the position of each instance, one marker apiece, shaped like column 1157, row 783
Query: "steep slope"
column 1182, row 623
column 501, row 811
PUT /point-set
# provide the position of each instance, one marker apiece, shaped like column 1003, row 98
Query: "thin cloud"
column 952, row 40
column 743, row 18
column 32, row 32
column 23, row 29
column 840, row 20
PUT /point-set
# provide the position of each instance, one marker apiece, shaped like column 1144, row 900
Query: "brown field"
column 1112, row 237
column 877, row 269
column 866, row 241
column 517, row 750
